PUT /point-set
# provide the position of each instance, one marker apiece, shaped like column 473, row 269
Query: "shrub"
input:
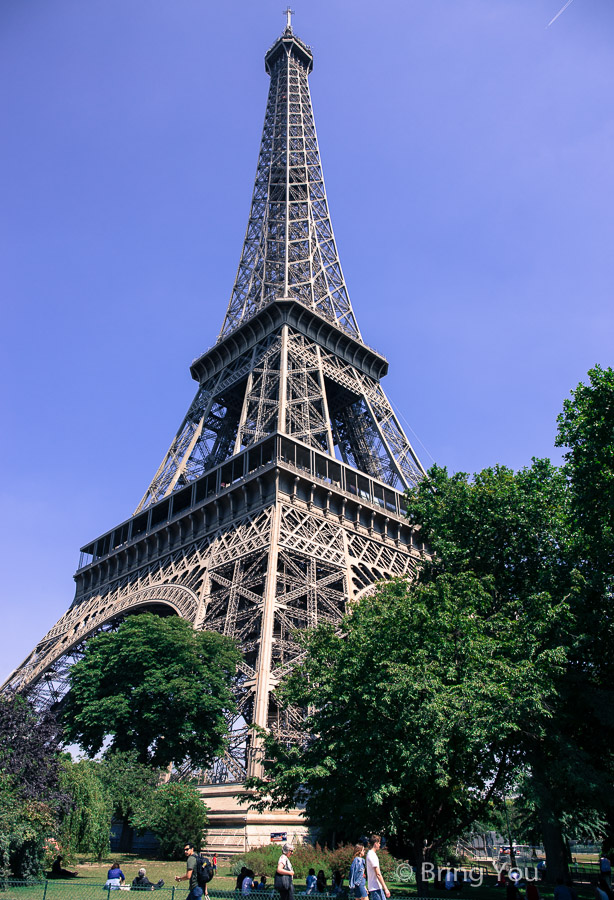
column 263, row 860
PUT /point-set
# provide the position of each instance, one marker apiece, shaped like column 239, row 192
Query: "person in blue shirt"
column 115, row 877
column 310, row 882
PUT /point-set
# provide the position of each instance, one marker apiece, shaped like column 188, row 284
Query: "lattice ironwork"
column 278, row 502
column 289, row 248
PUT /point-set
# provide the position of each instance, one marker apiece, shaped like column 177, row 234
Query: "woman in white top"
column 284, row 874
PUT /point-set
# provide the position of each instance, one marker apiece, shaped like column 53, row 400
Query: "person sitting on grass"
column 262, row 885
column 337, row 882
column 310, row 882
column 142, row 882
column 248, row 882
column 115, row 877
column 58, row 872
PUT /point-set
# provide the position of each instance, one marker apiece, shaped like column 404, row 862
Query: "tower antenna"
column 288, row 13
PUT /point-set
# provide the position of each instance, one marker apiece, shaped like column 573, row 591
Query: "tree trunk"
column 607, row 845
column 554, row 845
column 422, row 885
column 125, row 837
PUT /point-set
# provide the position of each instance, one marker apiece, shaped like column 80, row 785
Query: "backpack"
column 204, row 871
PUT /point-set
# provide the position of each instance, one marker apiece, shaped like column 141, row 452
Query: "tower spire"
column 288, row 14
column 289, row 248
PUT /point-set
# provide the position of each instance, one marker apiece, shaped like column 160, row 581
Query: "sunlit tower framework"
column 280, row 499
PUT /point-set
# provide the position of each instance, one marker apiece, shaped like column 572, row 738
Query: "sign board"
column 278, row 837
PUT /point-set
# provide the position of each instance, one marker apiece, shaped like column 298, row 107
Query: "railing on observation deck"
column 258, row 457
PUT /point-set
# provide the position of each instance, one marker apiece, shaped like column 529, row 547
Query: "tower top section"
column 289, row 252
column 288, row 44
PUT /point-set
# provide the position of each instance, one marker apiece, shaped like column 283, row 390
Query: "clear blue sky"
column 467, row 151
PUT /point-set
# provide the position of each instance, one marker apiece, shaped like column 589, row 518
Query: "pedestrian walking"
column 358, row 874
column 196, row 892
column 375, row 880
column 284, row 874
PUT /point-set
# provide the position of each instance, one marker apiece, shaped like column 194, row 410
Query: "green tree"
column 30, row 796
column 155, row 687
column 437, row 693
column 24, row 825
column 86, row 825
column 175, row 813
column 519, row 530
column 586, row 430
column 129, row 786
column 411, row 731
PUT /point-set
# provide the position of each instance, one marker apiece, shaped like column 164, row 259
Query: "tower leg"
column 263, row 674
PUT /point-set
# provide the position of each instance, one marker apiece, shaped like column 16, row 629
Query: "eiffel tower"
column 280, row 499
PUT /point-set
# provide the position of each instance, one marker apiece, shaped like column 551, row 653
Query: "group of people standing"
column 366, row 878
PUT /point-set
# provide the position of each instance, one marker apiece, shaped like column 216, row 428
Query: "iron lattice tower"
column 280, row 499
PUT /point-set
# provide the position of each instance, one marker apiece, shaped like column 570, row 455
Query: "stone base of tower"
column 234, row 829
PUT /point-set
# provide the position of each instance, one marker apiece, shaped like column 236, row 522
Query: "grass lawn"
column 92, row 874
column 96, row 872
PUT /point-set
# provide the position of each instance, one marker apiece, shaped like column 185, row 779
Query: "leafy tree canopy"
column 30, row 796
column 586, row 430
column 29, row 747
column 175, row 813
column 128, row 783
column 86, row 825
column 520, row 530
column 441, row 691
column 155, row 687
column 411, row 712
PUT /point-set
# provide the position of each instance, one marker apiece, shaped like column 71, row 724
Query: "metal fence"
column 56, row 889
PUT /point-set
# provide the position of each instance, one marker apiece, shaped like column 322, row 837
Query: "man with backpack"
column 199, row 873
